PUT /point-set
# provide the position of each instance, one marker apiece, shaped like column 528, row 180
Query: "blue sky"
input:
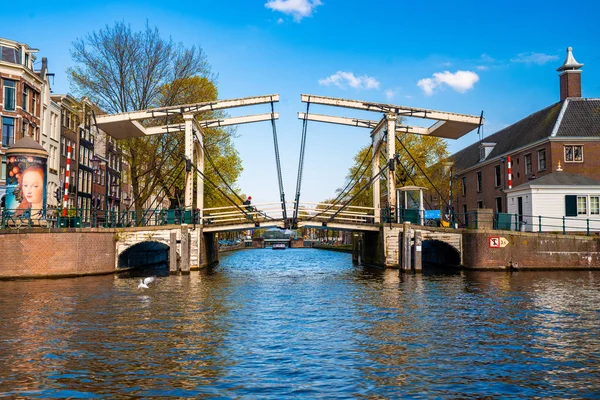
column 464, row 57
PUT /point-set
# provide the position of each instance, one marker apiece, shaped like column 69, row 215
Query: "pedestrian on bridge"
column 247, row 202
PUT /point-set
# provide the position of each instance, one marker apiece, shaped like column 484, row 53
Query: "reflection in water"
column 302, row 323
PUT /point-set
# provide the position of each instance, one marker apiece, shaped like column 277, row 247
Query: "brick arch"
column 124, row 249
column 443, row 253
column 141, row 242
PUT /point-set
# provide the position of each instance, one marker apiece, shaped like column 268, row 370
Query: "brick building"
column 20, row 94
column 567, row 132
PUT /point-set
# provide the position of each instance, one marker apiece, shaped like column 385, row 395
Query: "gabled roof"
column 581, row 118
column 573, row 117
column 530, row 129
column 558, row 178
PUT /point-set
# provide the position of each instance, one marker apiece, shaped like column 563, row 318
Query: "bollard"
column 185, row 250
column 418, row 252
column 173, row 254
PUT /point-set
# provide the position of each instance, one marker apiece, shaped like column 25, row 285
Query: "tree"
column 220, row 154
column 121, row 70
column 422, row 165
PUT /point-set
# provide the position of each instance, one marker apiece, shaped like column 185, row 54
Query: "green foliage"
column 120, row 71
column 425, row 159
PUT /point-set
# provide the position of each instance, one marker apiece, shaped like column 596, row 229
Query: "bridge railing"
column 248, row 213
column 325, row 211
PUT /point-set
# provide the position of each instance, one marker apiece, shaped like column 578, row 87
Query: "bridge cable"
column 368, row 184
column 132, row 204
column 205, row 178
column 210, row 160
column 152, row 210
column 301, row 163
column 277, row 160
column 352, row 179
column 425, row 174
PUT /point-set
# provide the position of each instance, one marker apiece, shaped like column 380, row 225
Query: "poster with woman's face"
column 26, row 185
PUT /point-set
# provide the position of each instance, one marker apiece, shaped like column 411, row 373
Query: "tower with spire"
column 570, row 77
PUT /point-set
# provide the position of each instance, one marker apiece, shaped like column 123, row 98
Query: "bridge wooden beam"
column 361, row 123
column 448, row 125
column 339, row 226
column 402, row 111
column 212, row 123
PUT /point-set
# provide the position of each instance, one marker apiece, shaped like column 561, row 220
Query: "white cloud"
column 482, row 67
column 343, row 79
column 461, row 81
column 534, row 58
column 390, row 94
column 280, row 21
column 487, row 58
column 296, row 8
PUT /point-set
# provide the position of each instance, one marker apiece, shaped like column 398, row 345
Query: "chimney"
column 570, row 77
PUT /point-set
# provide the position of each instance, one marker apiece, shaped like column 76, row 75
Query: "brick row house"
column 20, row 96
column 554, row 154
column 57, row 121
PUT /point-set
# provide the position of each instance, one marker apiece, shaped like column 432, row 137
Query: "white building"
column 556, row 202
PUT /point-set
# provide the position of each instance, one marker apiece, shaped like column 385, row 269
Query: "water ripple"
column 303, row 324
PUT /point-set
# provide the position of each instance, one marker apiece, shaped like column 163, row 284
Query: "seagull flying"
column 144, row 283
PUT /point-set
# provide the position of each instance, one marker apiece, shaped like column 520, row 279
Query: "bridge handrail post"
column 587, row 220
column 540, row 224
column 564, row 225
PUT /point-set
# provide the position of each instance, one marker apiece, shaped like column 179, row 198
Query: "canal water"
column 303, row 323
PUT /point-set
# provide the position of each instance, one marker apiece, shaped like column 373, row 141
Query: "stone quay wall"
column 523, row 250
column 33, row 253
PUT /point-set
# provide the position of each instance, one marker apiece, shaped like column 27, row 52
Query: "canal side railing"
column 478, row 219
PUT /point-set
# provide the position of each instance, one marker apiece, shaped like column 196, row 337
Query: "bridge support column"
column 374, row 172
column 173, row 253
column 185, row 250
column 391, row 154
column 418, row 252
column 405, row 252
column 189, row 154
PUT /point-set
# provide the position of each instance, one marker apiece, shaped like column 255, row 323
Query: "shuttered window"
column 570, row 206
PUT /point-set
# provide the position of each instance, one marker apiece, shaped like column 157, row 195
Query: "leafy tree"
column 422, row 165
column 121, row 70
column 220, row 154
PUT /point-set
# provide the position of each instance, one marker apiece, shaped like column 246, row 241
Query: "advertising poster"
column 26, row 186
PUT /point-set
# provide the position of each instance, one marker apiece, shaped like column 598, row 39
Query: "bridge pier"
column 173, row 253
column 185, row 250
column 401, row 246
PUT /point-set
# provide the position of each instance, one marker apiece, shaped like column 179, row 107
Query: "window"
column 464, row 185
column 8, row 131
column 25, row 103
column 595, row 205
column 9, row 95
column 581, row 205
column 497, row 176
column 3, row 171
column 574, row 153
column 528, row 164
column 499, row 204
column 479, row 182
column 480, row 204
column 541, row 159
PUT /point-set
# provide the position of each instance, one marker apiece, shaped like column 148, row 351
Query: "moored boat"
column 279, row 246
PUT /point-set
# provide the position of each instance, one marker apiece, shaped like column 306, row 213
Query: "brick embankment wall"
column 530, row 251
column 56, row 253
